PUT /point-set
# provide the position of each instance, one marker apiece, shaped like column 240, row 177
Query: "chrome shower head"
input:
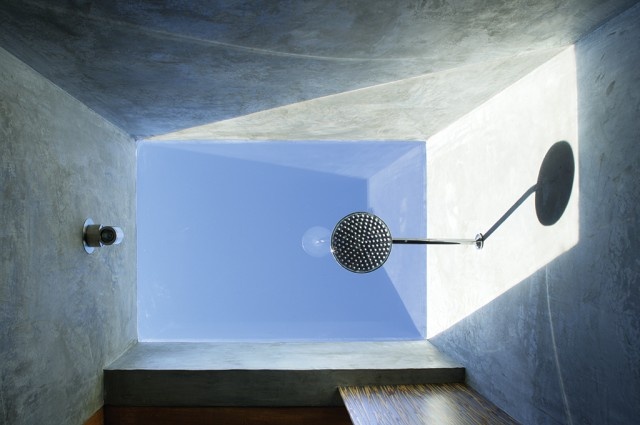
column 361, row 242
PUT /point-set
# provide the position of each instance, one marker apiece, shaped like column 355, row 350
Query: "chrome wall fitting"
column 96, row 235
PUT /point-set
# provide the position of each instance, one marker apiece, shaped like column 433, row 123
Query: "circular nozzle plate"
column 361, row 242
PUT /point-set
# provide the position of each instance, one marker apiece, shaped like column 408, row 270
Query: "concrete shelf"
column 268, row 374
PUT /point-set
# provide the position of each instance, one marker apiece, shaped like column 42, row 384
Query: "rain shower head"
column 361, row 242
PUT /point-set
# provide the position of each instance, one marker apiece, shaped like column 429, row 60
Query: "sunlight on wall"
column 408, row 109
column 477, row 168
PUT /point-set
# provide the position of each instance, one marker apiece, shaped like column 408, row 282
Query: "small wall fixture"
column 361, row 242
column 96, row 235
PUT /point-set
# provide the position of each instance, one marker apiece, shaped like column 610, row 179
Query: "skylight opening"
column 220, row 241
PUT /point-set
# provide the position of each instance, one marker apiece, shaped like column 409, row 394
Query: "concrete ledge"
column 268, row 374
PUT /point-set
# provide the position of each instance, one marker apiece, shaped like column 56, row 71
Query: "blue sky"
column 220, row 254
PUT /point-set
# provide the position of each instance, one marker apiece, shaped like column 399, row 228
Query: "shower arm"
column 478, row 241
column 480, row 237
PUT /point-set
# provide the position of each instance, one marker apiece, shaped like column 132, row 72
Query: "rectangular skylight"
column 220, row 230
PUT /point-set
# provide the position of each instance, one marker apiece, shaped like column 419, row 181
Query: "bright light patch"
column 477, row 168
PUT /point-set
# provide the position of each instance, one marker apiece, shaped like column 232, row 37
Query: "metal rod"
column 480, row 237
column 435, row 241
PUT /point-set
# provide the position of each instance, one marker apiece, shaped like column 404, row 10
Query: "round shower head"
column 361, row 242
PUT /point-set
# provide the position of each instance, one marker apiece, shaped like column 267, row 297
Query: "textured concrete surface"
column 64, row 314
column 153, row 68
column 264, row 374
column 561, row 345
column 409, row 109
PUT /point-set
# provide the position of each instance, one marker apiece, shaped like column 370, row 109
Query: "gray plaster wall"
column 560, row 345
column 64, row 314
column 407, row 109
column 156, row 67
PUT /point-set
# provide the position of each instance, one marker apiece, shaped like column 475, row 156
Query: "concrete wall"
column 64, row 314
column 560, row 344
column 407, row 109
column 199, row 62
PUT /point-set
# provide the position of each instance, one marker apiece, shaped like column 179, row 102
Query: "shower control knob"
column 98, row 235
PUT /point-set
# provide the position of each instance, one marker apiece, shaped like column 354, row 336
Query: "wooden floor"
column 450, row 404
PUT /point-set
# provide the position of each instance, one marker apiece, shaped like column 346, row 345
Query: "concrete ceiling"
column 243, row 68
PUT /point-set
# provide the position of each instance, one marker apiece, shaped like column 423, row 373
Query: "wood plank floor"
column 451, row 404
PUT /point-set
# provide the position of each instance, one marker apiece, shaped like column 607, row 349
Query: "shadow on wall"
column 562, row 346
column 552, row 189
column 476, row 169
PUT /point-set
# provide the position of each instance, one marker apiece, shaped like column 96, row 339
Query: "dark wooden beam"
column 124, row 415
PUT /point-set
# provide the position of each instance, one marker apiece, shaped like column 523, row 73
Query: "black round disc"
column 361, row 242
column 555, row 181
